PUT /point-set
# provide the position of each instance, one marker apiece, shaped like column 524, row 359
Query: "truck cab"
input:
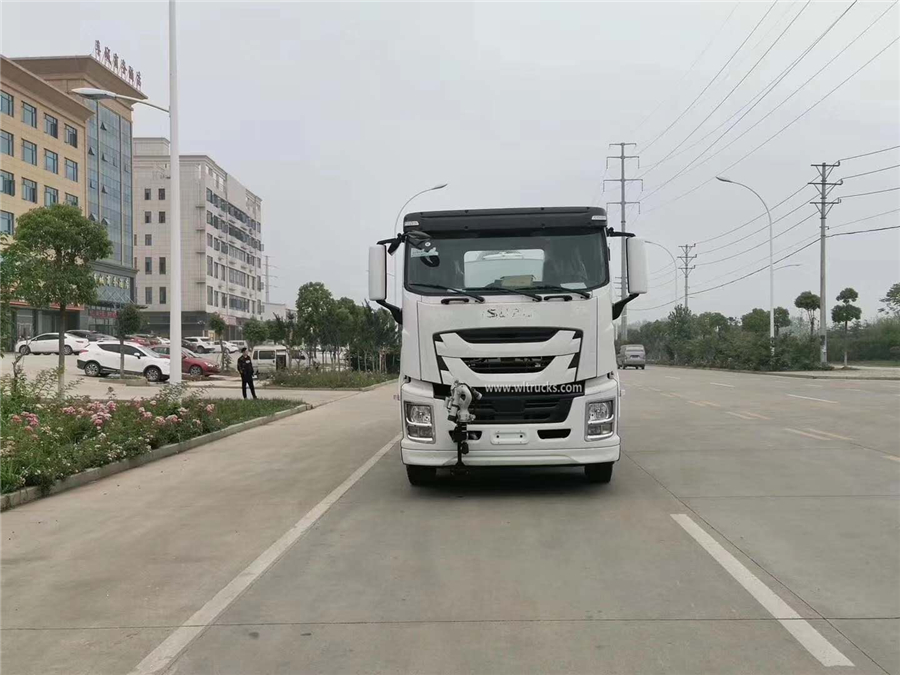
column 507, row 348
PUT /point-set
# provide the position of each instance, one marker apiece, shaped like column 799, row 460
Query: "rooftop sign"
column 117, row 65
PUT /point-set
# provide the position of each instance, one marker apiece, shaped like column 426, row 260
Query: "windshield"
column 575, row 260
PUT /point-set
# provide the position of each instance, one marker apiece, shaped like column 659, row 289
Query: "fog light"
column 598, row 420
column 419, row 424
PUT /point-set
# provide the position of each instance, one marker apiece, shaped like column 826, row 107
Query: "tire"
column 92, row 369
column 67, row 350
column 598, row 473
column 643, row 367
column 195, row 371
column 153, row 374
column 421, row 475
column 24, row 350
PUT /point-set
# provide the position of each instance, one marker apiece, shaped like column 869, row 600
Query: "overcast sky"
column 336, row 113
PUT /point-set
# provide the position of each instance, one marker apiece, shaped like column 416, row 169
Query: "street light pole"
column 175, row 202
column 674, row 262
column 771, row 262
column 397, row 229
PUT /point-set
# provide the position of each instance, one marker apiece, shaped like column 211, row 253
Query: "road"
column 751, row 527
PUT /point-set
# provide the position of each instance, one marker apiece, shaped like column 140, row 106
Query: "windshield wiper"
column 452, row 290
column 516, row 291
column 560, row 289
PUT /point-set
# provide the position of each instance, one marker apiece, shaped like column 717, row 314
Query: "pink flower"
column 173, row 419
column 153, row 402
column 210, row 408
column 16, row 419
column 111, row 406
column 160, row 421
column 146, row 415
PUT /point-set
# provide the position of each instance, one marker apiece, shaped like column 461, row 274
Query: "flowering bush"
column 44, row 438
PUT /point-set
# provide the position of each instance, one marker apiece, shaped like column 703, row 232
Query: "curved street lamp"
column 674, row 262
column 396, row 231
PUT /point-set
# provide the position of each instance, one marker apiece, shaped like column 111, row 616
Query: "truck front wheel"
column 420, row 475
column 598, row 473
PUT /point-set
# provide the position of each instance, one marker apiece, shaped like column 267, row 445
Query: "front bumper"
column 527, row 448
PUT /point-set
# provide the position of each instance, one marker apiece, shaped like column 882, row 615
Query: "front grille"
column 508, row 364
column 521, row 408
column 477, row 336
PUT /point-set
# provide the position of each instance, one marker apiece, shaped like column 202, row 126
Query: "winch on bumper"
column 506, row 440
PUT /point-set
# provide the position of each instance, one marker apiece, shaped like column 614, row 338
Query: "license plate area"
column 510, row 437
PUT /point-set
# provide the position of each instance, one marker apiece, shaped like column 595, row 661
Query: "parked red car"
column 191, row 363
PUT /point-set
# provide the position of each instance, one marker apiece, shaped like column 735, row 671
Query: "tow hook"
column 461, row 397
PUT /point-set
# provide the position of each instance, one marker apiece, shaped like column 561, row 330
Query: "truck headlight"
column 419, row 422
column 599, row 417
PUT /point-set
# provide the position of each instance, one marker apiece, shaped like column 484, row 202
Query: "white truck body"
column 537, row 356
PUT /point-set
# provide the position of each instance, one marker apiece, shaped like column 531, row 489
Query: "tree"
column 892, row 300
column 313, row 303
column 55, row 246
column 128, row 322
column 845, row 312
column 782, row 319
column 809, row 302
column 255, row 332
column 756, row 321
column 218, row 326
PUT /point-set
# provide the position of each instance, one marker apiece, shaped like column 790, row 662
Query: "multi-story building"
column 42, row 162
column 221, row 248
column 105, row 172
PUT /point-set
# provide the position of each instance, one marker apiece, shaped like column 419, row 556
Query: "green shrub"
column 328, row 379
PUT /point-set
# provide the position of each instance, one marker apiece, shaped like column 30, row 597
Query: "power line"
column 724, row 234
column 867, row 173
column 877, row 229
column 868, row 154
column 755, row 232
column 789, row 124
column 715, row 77
column 763, row 243
column 875, row 192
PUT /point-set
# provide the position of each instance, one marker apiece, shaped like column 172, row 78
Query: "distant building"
column 221, row 242
column 273, row 309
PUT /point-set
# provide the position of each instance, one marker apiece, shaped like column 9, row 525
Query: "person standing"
column 245, row 368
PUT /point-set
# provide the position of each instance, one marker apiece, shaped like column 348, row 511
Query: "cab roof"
column 506, row 219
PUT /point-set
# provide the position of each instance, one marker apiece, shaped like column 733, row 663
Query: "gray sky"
column 336, row 113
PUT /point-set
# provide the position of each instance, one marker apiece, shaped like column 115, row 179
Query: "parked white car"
column 48, row 343
column 103, row 358
column 200, row 344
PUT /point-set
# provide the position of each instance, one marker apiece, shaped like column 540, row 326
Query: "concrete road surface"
column 751, row 527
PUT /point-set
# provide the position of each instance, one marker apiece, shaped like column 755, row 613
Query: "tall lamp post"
column 674, row 262
column 174, row 184
column 771, row 262
column 397, row 227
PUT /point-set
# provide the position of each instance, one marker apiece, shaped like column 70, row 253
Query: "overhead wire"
column 867, row 173
column 875, row 152
column 874, row 192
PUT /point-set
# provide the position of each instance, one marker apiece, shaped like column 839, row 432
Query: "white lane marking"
column 810, row 398
column 828, row 433
column 655, row 389
column 743, row 417
column 672, row 377
column 697, row 403
column 892, row 458
column 808, row 435
column 817, row 386
column 802, row 631
column 756, row 415
column 721, row 384
column 162, row 657
column 669, row 395
column 860, row 390
column 710, row 403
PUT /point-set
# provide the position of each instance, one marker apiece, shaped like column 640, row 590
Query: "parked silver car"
column 632, row 356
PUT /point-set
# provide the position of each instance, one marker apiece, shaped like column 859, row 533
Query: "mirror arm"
column 619, row 305
column 610, row 232
column 395, row 311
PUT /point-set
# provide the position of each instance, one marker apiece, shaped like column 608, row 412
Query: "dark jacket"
column 245, row 365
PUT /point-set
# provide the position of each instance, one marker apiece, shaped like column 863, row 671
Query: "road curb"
column 34, row 492
column 807, row 375
column 369, row 388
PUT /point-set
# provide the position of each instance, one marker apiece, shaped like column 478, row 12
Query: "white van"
column 265, row 359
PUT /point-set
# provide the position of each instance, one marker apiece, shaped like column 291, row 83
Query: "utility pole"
column 623, row 329
column 823, row 206
column 267, row 279
column 686, row 267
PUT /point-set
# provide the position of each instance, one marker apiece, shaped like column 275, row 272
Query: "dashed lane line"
column 828, row 433
column 722, row 384
column 756, row 415
column 807, row 434
column 892, row 458
column 743, row 417
column 810, row 398
column 826, row 653
column 710, row 403
column 672, row 377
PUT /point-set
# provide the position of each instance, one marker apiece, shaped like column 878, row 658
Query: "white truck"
column 507, row 355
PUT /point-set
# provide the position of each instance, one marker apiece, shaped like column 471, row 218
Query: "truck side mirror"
column 638, row 277
column 377, row 273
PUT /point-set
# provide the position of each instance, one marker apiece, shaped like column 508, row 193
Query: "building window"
column 162, row 216
column 71, row 199
column 7, row 141
column 51, row 196
column 216, row 270
column 51, row 161
column 147, row 194
column 209, row 217
column 29, row 114
column 7, row 183
column 148, row 295
column 148, row 265
column 29, row 190
column 29, row 152
column 7, row 222
column 72, row 170
column 209, row 295
column 71, row 136
column 148, row 217
column 51, row 125
column 216, row 245
column 209, row 265
column 7, row 105
column 209, row 239
column 162, row 295
column 162, row 264
column 148, row 240
column 162, row 194
column 135, row 240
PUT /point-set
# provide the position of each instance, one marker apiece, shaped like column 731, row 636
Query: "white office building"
column 221, row 247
